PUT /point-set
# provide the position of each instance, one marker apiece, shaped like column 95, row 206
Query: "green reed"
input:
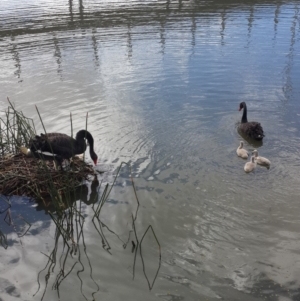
column 15, row 130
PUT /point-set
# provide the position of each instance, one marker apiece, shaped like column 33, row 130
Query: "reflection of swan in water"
column 251, row 129
column 250, row 166
column 261, row 160
column 80, row 193
column 241, row 152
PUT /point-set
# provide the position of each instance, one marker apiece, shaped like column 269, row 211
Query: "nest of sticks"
column 39, row 179
column 30, row 176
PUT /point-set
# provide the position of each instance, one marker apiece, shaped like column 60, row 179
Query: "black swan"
column 251, row 129
column 62, row 145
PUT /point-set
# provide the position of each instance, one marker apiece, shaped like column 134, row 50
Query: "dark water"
column 162, row 81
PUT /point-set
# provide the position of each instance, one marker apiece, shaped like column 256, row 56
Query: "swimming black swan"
column 62, row 145
column 251, row 129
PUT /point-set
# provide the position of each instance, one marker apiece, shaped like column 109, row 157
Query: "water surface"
column 162, row 82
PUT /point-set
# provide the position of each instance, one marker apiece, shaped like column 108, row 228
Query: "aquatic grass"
column 103, row 199
column 107, row 191
column 10, row 222
column 19, row 224
column 138, row 244
column 15, row 130
column 4, row 203
column 3, row 240
column 69, row 239
column 69, row 231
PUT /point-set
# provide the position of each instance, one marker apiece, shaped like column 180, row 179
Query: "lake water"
column 162, row 82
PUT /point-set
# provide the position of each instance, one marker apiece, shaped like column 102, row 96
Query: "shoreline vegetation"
column 34, row 177
column 57, row 189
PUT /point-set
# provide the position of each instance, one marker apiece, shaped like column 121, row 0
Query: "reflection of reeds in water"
column 36, row 178
column 5, row 206
column 3, row 240
column 69, row 231
column 19, row 224
column 70, row 244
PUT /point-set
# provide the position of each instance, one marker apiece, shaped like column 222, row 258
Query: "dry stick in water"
column 102, row 201
column 3, row 240
column 105, row 243
column 136, row 249
column 144, row 268
column 90, row 265
column 71, row 121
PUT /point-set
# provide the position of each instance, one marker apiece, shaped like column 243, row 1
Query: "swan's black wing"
column 56, row 143
column 252, row 129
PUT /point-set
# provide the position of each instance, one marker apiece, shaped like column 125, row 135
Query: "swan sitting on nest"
column 61, row 146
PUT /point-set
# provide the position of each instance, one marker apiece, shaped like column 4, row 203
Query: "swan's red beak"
column 240, row 109
column 95, row 161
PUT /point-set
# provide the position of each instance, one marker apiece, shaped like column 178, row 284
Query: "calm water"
column 162, row 81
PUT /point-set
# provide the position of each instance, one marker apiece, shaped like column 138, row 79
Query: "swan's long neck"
column 91, row 143
column 244, row 117
column 80, row 140
column 80, row 136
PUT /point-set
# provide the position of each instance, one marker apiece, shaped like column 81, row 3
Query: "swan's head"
column 252, row 159
column 94, row 157
column 242, row 105
column 255, row 153
column 241, row 144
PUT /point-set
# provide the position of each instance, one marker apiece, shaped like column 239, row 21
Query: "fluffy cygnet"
column 250, row 166
column 261, row 160
column 241, row 152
